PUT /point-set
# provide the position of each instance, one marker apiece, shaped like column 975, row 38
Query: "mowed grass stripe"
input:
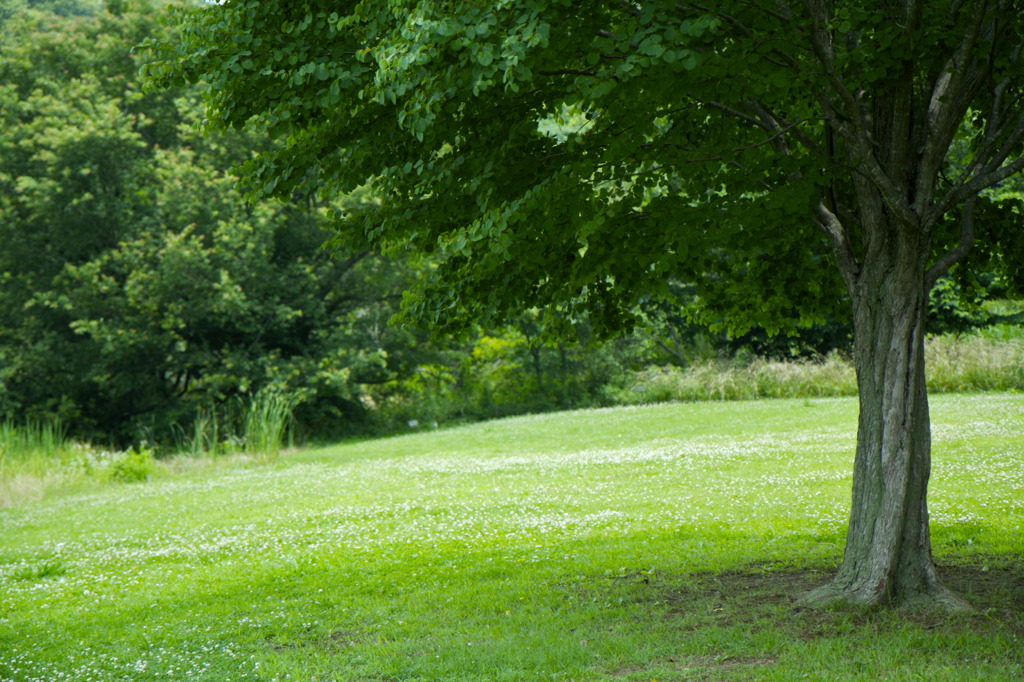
column 660, row 542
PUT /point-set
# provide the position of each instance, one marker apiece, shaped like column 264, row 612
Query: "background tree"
column 138, row 291
column 773, row 154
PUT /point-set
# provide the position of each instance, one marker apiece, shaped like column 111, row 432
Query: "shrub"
column 132, row 466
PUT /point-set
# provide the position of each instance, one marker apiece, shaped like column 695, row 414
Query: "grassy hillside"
column 642, row 543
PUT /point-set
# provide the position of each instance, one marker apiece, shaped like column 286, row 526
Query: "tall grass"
column 988, row 361
column 259, row 427
column 30, row 459
column 992, row 360
column 38, row 460
column 203, row 438
column 38, row 438
column 728, row 380
column 267, row 423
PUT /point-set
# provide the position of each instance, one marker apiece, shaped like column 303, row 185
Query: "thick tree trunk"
column 888, row 557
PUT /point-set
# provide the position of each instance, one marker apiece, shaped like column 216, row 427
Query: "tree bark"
column 888, row 558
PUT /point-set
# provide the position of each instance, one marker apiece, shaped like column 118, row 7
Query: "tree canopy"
column 579, row 158
column 138, row 291
column 775, row 155
column 142, row 299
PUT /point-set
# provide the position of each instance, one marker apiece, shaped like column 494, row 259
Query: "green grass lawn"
column 644, row 543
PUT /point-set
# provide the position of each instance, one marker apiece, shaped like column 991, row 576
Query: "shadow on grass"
column 993, row 584
column 758, row 597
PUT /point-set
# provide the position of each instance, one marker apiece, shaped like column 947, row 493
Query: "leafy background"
column 144, row 299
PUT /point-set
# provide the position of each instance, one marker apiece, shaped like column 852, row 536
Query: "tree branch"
column 779, row 122
column 834, row 229
column 766, row 120
column 946, row 107
column 760, row 6
column 854, row 126
column 568, row 72
column 1011, row 141
column 787, row 60
column 778, row 133
column 957, row 253
column 967, row 190
column 736, row 113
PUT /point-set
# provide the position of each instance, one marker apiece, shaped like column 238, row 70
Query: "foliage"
column 64, row 8
column 577, row 162
column 135, row 465
column 459, row 95
column 142, row 299
column 139, row 293
column 516, row 369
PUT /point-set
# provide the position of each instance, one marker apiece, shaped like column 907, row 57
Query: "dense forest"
column 142, row 296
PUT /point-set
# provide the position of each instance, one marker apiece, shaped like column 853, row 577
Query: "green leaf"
column 652, row 46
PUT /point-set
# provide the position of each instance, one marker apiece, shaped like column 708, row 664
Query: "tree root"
column 933, row 597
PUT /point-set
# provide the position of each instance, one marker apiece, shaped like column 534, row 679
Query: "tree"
column 138, row 291
column 71, row 172
column 775, row 154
